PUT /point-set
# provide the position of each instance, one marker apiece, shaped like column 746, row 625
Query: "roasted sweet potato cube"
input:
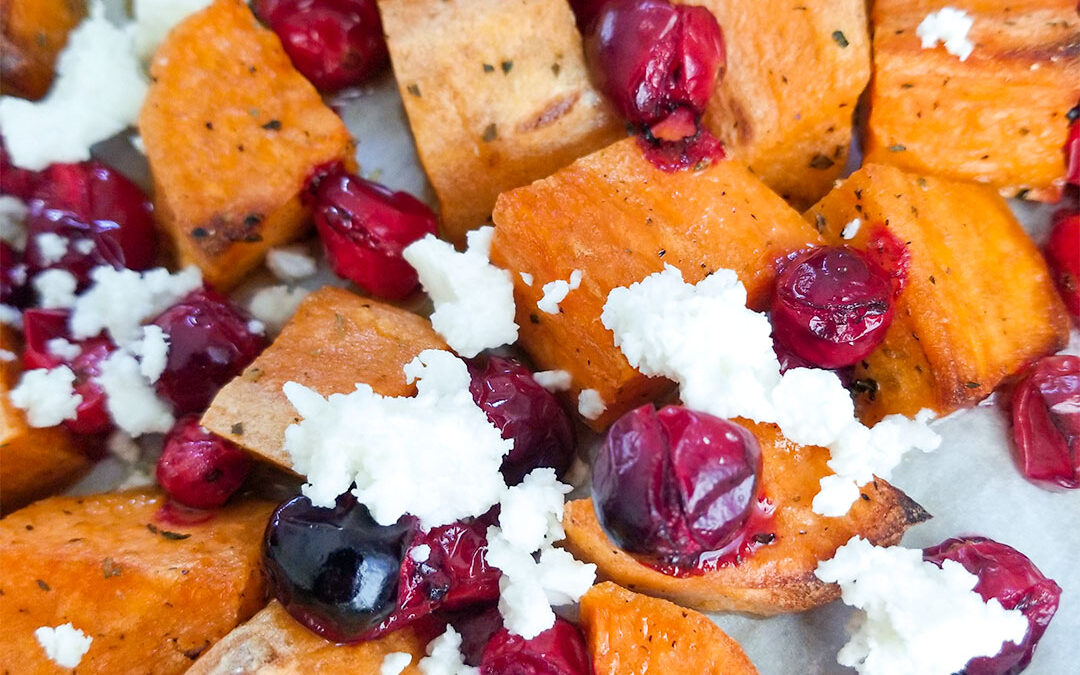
column 795, row 71
column 617, row 218
column 335, row 340
column 998, row 117
column 979, row 301
column 497, row 97
column 631, row 633
column 32, row 33
column 152, row 594
column 777, row 577
column 232, row 131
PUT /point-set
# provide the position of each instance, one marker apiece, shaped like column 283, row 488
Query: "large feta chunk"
column 47, row 396
column 64, row 645
column 119, row 301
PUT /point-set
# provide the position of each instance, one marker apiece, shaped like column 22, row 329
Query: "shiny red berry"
column 15, row 181
column 1072, row 151
column 560, row 650
column 1063, row 256
column 1046, row 422
column 200, row 469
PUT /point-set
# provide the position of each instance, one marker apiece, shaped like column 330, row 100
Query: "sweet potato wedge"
column 979, row 302
column 497, row 97
column 778, row 577
column 32, row 33
column 795, row 71
column 997, row 118
column 632, row 633
column 232, row 131
column 617, row 218
column 335, row 339
column 152, row 595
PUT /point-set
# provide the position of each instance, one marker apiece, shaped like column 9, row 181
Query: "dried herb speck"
column 42, row 585
column 507, row 66
column 556, row 69
column 490, row 133
column 272, row 125
column 110, row 568
column 413, row 89
column 972, row 385
column 897, row 148
column 821, row 162
column 200, row 233
column 237, row 429
column 488, row 68
column 839, row 38
column 171, row 536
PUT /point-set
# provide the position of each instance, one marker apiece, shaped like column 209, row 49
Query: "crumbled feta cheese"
column 420, row 553
column 444, row 656
column 949, row 26
column 291, row 263
column 10, row 316
column 119, row 301
column 18, row 273
column 153, row 352
column 62, row 349
column 553, row 380
column 55, row 288
column 851, row 229
column 123, row 447
column 98, row 92
column 47, row 396
column 52, row 247
column 64, row 645
column 7, row 356
column 131, row 400
column 395, row 663
column 590, row 405
column 155, row 18
column 917, row 618
column 556, row 291
column 526, row 277
column 257, row 327
column 812, row 406
column 13, row 221
column 273, row 306
column 473, row 299
column 85, row 246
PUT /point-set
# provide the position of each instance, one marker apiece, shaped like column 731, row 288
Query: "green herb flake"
column 897, row 148
column 110, row 568
column 488, row 68
column 821, row 162
column 272, row 125
column 171, row 536
column 972, row 385
column 413, row 89
column 42, row 585
column 556, row 68
column 490, row 133
column 237, row 429
column 507, row 66
column 839, row 38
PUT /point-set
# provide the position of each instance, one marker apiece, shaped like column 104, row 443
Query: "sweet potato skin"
column 32, row 34
column 152, row 595
column 777, row 578
column 232, row 131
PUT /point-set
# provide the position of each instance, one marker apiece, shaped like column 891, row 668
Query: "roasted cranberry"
column 560, row 650
column 210, row 342
column 476, row 625
column 832, row 307
column 525, row 413
column 335, row 570
column 694, row 152
column 14, row 181
column 365, row 227
column 1063, row 255
column 585, row 11
column 200, row 469
column 1072, row 151
column 1008, row 575
column 1046, row 422
column 673, row 484
column 13, row 277
column 333, row 43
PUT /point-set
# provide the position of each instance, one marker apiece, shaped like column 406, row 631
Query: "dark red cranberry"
column 525, row 413
column 200, row 469
column 674, row 484
column 560, row 650
column 210, row 342
column 832, row 306
column 13, row 277
column 1008, row 575
column 365, row 227
column 1063, row 255
column 1046, row 422
column 14, row 181
column 585, row 11
column 335, row 570
column 333, row 43
column 475, row 625
column 694, row 152
column 1072, row 151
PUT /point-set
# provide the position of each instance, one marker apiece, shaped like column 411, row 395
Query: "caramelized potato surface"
column 32, row 34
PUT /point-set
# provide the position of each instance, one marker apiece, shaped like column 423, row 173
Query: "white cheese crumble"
column 590, row 405
column 444, row 656
column 119, row 301
column 949, row 26
column 85, row 246
column 420, row 553
column 10, row 316
column 52, row 247
column 47, row 396
column 553, row 380
column 13, row 214
column 526, row 278
column 153, row 352
column 473, row 299
column 62, row 349
column 130, row 398
column 256, row 326
column 155, row 18
column 395, row 663
column 291, row 263
column 273, row 306
column 55, row 288
column 851, row 229
column 556, row 291
column 64, row 645
column 917, row 618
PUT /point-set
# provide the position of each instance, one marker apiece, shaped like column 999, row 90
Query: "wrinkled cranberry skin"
column 1008, row 575
column 1063, row 255
column 200, row 469
column 560, row 650
column 1072, row 152
column 674, row 484
column 832, row 307
column 525, row 413
column 13, row 277
column 209, row 344
column 333, row 43
column 1046, row 422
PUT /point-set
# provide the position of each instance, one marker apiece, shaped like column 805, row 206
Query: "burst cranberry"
column 333, row 43
column 200, row 469
column 673, row 484
column 585, row 11
column 832, row 307
column 1072, row 153
column 560, row 650
column 13, row 276
column 1063, row 255
column 14, row 181
column 210, row 342
column 1008, row 575
column 365, row 227
column 525, row 413
column 1046, row 422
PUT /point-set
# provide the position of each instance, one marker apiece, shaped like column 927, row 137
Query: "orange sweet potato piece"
column 152, row 595
column 232, row 131
column 497, row 96
column 778, row 577
column 32, row 33
column 795, row 71
column 979, row 303
column 335, row 339
column 997, row 118
column 617, row 218
column 628, row 633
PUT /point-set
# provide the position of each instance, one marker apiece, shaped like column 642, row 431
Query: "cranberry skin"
column 891, row 255
column 585, row 11
column 525, row 413
column 560, row 650
column 335, row 570
column 1046, row 422
column 1072, row 152
column 15, row 181
column 1008, row 575
column 1063, row 255
column 14, row 290
column 209, row 344
column 673, row 484
column 200, row 469
column 333, row 43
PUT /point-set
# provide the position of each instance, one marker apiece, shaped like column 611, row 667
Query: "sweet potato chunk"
column 232, row 131
column 335, row 339
column 979, row 302
column 632, row 633
column 778, row 577
column 795, row 71
column 497, row 97
column 617, row 218
column 152, row 595
column 997, row 118
column 32, row 33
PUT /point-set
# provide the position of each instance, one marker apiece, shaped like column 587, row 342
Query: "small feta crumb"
column 137, row 143
column 10, row 316
column 553, row 380
column 18, row 274
column 291, row 263
column 155, row 18
column 153, row 352
column 123, row 447
column 851, row 229
column 7, row 356
column 444, row 656
column 812, row 406
column 275, row 305
column 64, row 645
column 62, row 349
column 949, row 26
column 132, row 402
column 556, row 291
column 526, row 277
column 257, row 327
column 56, row 289
column 395, row 663
column 52, row 247
column 420, row 553
column 85, row 246
column 13, row 214
column 47, row 396
column 119, row 301
column 590, row 405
